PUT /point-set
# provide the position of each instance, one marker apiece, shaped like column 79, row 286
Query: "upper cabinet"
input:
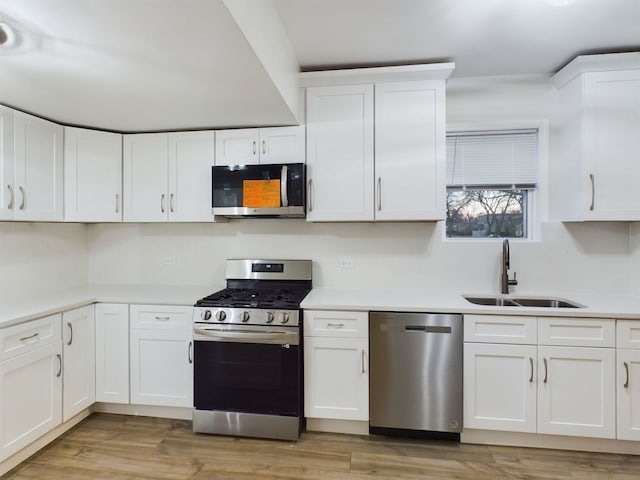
column 92, row 175
column 253, row 146
column 597, row 135
column 167, row 176
column 30, row 167
column 375, row 146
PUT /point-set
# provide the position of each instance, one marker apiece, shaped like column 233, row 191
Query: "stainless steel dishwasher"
column 415, row 375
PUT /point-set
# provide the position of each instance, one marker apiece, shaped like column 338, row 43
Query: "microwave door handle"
column 283, row 186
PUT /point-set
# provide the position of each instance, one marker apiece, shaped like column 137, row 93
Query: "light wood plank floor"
column 123, row 447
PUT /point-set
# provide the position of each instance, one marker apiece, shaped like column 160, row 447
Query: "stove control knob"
column 206, row 314
column 284, row 317
column 221, row 315
column 245, row 316
column 270, row 317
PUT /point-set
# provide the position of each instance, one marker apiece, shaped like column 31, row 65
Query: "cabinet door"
column 112, row 353
column 500, row 387
column 611, row 143
column 145, row 178
column 38, row 169
column 576, row 391
column 336, row 378
column 282, row 145
column 340, row 153
column 161, row 368
column 191, row 156
column 410, row 156
column 30, row 397
column 628, row 381
column 79, row 388
column 92, row 175
column 238, row 147
column 7, row 192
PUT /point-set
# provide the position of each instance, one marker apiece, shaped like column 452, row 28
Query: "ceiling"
column 147, row 65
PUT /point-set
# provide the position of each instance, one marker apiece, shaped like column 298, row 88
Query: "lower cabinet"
column 112, row 353
column 336, row 365
column 79, row 354
column 161, row 355
column 628, row 379
column 30, row 383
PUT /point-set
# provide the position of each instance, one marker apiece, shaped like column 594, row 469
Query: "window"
column 491, row 180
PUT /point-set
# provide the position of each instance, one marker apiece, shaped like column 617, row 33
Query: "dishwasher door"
column 415, row 374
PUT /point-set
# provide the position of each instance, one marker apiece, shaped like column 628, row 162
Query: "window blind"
column 492, row 159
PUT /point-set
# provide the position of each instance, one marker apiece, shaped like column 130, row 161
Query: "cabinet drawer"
column 511, row 329
column 28, row 336
column 321, row 323
column 578, row 332
column 628, row 334
column 160, row 317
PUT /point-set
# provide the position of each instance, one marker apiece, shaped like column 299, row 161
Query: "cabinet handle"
column 254, row 147
column 10, row 206
column 24, row 339
column 59, row 365
column 70, row 333
column 162, row 203
column 24, row 199
column 626, row 368
column 190, row 352
column 546, row 370
column 171, row 205
column 117, row 203
column 379, row 193
column 593, row 191
column 163, row 319
column 310, row 205
column 531, row 365
column 335, row 325
column 362, row 357
column 264, row 147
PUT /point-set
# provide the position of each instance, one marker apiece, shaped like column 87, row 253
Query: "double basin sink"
column 536, row 302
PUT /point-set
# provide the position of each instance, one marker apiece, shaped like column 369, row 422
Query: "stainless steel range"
column 247, row 351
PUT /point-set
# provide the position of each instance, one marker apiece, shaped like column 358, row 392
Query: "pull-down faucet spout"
column 505, row 280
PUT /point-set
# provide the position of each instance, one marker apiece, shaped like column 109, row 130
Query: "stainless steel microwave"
column 273, row 190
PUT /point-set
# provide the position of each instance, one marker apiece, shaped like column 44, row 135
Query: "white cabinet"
column 79, row 388
column 598, row 138
column 252, row 146
column 161, row 355
column 340, row 153
column 31, row 168
column 404, row 179
column 410, row 156
column 112, row 353
column 336, row 365
column 167, row 176
column 92, row 175
column 30, row 383
column 628, row 379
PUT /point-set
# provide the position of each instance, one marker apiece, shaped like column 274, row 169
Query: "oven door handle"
column 219, row 335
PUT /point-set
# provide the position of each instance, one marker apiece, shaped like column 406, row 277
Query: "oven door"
column 244, row 368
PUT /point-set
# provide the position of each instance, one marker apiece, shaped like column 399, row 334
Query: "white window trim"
column 538, row 198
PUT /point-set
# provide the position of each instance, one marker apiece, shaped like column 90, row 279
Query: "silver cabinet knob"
column 221, row 315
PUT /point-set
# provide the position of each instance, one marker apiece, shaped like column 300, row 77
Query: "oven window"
column 247, row 377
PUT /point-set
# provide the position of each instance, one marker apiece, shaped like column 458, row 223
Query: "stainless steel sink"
column 537, row 302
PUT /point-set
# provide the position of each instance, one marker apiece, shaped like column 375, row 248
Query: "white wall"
column 567, row 258
column 36, row 257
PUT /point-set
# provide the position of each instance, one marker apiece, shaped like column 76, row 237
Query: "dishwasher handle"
column 427, row 329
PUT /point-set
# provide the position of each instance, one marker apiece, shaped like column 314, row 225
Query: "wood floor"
column 123, row 447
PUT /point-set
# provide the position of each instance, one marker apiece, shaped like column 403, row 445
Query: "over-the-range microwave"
column 273, row 190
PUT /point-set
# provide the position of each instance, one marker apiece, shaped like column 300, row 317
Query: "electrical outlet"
column 169, row 260
column 346, row 263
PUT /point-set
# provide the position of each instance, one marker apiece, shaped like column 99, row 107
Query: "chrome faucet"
column 506, row 281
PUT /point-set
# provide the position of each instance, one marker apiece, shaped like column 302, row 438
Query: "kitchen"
column 572, row 258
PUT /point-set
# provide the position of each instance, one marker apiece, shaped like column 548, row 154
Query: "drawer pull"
column 24, row 339
column 363, row 361
column 626, row 368
column 59, row 365
column 546, row 370
column 163, row 319
column 335, row 325
column 190, row 353
column 70, row 333
column 531, row 365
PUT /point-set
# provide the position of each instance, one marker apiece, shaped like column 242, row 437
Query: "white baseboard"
column 353, row 427
column 180, row 413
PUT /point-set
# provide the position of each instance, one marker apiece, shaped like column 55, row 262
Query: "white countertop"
column 22, row 309
column 595, row 305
